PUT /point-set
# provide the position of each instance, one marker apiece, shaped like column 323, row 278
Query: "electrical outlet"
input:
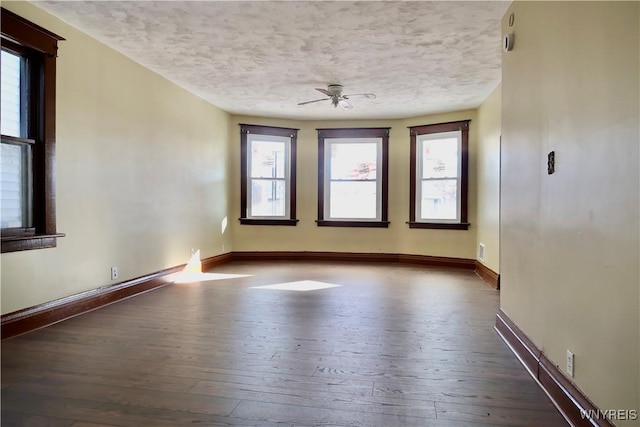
column 193, row 251
column 481, row 249
column 570, row 362
column 114, row 273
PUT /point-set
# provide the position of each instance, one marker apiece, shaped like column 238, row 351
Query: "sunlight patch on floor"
column 301, row 286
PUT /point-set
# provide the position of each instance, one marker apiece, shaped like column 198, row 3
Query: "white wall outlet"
column 481, row 248
column 114, row 273
column 570, row 361
column 193, row 251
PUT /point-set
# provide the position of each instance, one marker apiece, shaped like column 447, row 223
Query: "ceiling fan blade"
column 345, row 105
column 360, row 96
column 326, row 92
column 315, row 100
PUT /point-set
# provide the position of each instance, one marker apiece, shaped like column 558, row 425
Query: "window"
column 27, row 218
column 268, row 182
column 438, row 176
column 352, row 177
column 16, row 148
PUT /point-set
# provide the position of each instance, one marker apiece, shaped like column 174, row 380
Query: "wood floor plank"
column 279, row 384
column 499, row 416
column 392, row 345
column 322, row 417
column 83, row 424
column 118, row 414
column 114, row 378
column 10, row 418
column 324, row 400
column 129, row 396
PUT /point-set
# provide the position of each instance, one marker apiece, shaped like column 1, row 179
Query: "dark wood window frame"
column 414, row 131
column 384, row 174
column 40, row 47
column 271, row 131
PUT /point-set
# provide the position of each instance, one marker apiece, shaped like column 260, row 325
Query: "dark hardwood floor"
column 393, row 345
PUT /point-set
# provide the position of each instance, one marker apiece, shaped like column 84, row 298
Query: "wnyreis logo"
column 610, row 414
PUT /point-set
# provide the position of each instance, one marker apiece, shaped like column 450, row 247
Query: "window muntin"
column 353, row 177
column 438, row 174
column 268, row 175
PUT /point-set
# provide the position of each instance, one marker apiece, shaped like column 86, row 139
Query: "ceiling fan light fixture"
column 335, row 90
column 344, row 105
column 334, row 93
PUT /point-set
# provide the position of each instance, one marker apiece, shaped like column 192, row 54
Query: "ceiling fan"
column 334, row 93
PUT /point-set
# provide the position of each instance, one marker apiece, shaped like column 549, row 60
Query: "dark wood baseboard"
column 488, row 275
column 42, row 315
column 569, row 400
column 427, row 260
column 215, row 261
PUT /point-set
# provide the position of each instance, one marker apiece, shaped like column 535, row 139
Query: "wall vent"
column 481, row 251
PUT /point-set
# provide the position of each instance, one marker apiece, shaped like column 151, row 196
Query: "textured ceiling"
column 263, row 58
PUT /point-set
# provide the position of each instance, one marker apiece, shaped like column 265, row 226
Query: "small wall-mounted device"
column 551, row 162
column 507, row 43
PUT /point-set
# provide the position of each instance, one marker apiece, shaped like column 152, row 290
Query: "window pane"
column 10, row 114
column 268, row 197
column 14, row 186
column 440, row 158
column 352, row 199
column 267, row 159
column 439, row 199
column 354, row 161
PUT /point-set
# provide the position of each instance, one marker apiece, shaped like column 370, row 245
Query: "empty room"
column 320, row 213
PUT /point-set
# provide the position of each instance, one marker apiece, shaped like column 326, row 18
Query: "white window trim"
column 420, row 139
column 327, row 177
column 287, row 174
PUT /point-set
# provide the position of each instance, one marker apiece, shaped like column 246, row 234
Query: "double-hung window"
column 268, row 168
column 17, row 164
column 352, row 177
column 438, row 176
column 27, row 156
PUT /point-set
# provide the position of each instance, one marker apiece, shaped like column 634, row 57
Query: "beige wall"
column 306, row 236
column 141, row 174
column 488, row 178
column 570, row 241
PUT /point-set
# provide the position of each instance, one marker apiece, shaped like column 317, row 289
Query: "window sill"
column 372, row 224
column 440, row 225
column 253, row 221
column 27, row 243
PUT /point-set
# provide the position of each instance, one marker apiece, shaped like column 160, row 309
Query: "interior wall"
column 306, row 236
column 570, row 241
column 489, row 129
column 141, row 174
